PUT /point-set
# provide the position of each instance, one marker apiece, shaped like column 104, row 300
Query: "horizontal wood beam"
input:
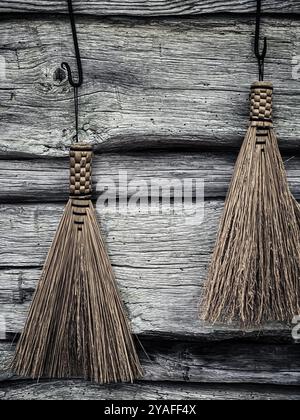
column 79, row 390
column 158, row 83
column 160, row 261
column 47, row 180
column 147, row 8
column 270, row 364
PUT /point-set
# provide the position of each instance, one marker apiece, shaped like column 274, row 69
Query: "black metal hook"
column 260, row 56
column 65, row 65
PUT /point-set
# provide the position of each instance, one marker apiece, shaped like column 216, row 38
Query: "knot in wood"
column 261, row 103
column 81, row 171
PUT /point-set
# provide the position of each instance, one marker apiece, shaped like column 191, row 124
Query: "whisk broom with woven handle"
column 77, row 326
column 254, row 275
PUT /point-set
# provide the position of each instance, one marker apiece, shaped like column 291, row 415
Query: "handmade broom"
column 77, row 324
column 254, row 276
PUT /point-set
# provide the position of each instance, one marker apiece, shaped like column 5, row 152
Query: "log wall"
column 165, row 98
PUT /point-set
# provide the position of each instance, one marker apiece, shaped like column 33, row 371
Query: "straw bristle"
column 255, row 271
column 77, row 325
column 297, row 210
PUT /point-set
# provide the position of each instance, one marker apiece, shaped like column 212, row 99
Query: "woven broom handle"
column 81, row 171
column 262, row 103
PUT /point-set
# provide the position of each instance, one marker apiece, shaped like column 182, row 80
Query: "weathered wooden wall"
column 150, row 7
column 165, row 97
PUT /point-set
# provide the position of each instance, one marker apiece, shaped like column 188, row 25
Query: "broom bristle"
column 255, row 271
column 77, row 325
column 297, row 210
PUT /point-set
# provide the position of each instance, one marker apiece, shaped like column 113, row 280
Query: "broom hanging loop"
column 260, row 55
column 66, row 66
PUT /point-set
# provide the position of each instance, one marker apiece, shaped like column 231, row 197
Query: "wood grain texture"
column 148, row 8
column 47, row 180
column 161, row 83
column 149, row 83
column 78, row 390
column 255, row 363
column 160, row 262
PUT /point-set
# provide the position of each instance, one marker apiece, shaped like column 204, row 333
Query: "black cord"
column 76, row 103
column 67, row 67
column 260, row 56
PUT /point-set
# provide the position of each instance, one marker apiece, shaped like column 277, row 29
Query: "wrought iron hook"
column 65, row 65
column 260, row 56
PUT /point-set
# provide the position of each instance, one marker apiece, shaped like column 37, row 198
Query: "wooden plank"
column 160, row 261
column 163, row 83
column 6, row 355
column 148, row 8
column 79, row 390
column 254, row 363
column 46, row 180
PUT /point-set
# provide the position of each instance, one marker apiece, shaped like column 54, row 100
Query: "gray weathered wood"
column 151, row 83
column 160, row 263
column 79, row 390
column 46, row 180
column 6, row 356
column 206, row 363
column 154, row 83
column 146, row 8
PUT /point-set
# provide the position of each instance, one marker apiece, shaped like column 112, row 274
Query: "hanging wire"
column 66, row 66
column 260, row 55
